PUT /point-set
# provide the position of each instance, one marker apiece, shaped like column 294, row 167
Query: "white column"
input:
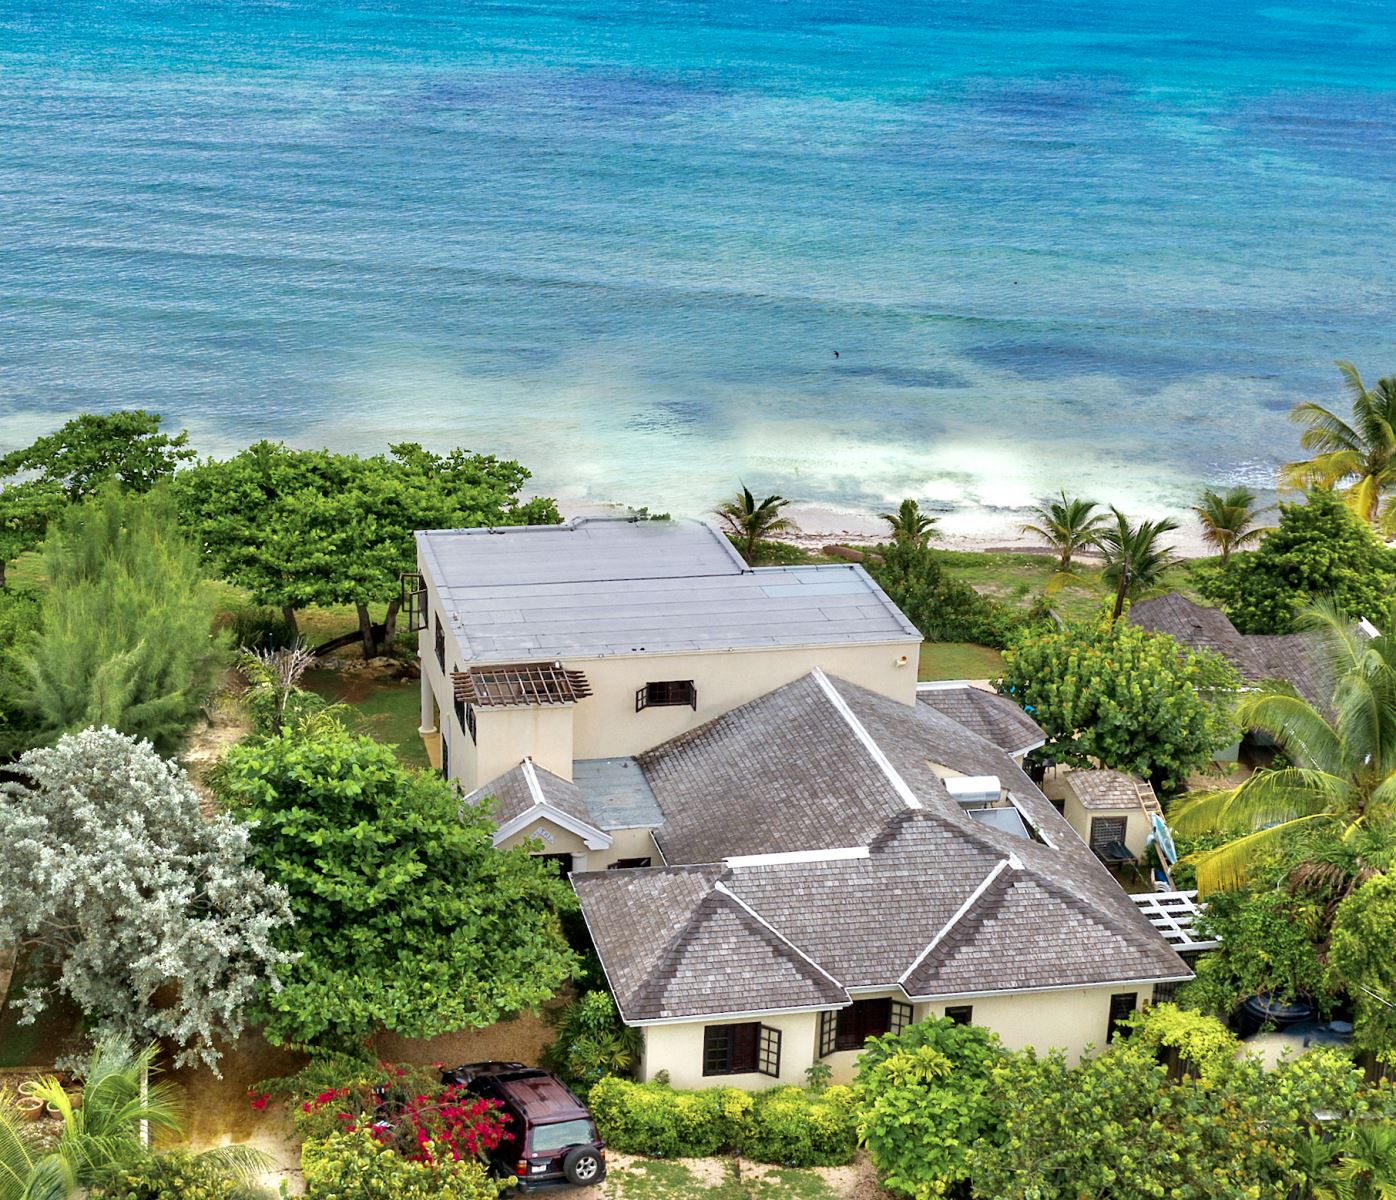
column 428, row 724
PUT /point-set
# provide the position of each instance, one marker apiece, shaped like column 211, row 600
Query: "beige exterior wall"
column 678, row 1049
column 507, row 736
column 607, row 724
column 625, row 843
column 1079, row 818
column 1070, row 1020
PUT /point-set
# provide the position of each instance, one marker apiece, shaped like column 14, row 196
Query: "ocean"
column 970, row 251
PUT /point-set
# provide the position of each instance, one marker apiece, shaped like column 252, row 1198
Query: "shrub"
column 176, row 1175
column 944, row 609
column 255, row 628
column 654, row 1119
column 355, row 1166
column 1201, row 1043
column 802, row 1129
column 924, row 1106
column 592, row 1041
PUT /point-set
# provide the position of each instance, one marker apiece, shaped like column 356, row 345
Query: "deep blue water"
column 1094, row 243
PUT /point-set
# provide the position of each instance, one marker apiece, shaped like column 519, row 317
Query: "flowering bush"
column 356, row 1166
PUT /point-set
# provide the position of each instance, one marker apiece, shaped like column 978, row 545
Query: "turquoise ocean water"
column 1094, row 243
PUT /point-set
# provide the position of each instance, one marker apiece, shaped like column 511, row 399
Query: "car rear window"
column 559, row 1136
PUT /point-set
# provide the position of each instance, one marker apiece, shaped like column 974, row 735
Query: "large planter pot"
column 1264, row 1010
column 31, row 1108
column 52, row 1110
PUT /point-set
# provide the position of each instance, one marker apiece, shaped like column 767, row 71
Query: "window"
column 1122, row 1005
column 741, row 1049
column 465, row 714
column 849, row 1028
column 560, row 1136
column 961, row 1014
column 1105, row 830
column 440, row 643
column 668, row 694
column 445, row 755
column 625, row 864
column 563, row 862
column 413, row 592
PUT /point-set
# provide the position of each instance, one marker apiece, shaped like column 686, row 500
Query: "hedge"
column 354, row 1166
column 786, row 1125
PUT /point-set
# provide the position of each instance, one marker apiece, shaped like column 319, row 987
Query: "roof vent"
column 974, row 790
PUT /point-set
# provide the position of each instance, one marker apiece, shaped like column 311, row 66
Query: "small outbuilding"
column 1110, row 809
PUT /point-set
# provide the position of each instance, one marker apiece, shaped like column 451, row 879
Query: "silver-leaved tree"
column 118, row 892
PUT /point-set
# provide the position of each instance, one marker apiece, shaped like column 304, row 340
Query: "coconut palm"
column 1341, row 781
column 1134, row 560
column 1366, row 1166
column 1228, row 519
column 100, row 1133
column 1358, row 453
column 1067, row 526
column 910, row 526
column 749, row 522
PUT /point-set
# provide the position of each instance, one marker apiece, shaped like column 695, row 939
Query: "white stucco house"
column 781, row 847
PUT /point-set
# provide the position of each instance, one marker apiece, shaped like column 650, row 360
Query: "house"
column 1108, row 809
column 837, row 864
column 780, row 844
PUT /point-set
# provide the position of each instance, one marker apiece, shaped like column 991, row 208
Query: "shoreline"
column 820, row 525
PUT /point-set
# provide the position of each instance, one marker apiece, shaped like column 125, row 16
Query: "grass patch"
column 958, row 660
column 651, row 1179
column 388, row 710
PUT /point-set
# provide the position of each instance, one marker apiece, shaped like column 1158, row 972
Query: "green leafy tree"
column 909, row 524
column 101, row 1134
column 1360, row 959
column 1133, row 700
column 1135, row 562
column 302, row 527
column 406, row 916
column 1068, row 526
column 126, row 639
column 1229, row 520
column 942, row 608
column 592, row 1041
column 1340, row 776
column 73, row 463
column 21, row 614
column 125, row 898
column 1358, row 454
column 924, row 1106
column 749, row 521
column 1318, row 550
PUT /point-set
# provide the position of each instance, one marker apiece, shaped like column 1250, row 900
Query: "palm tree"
column 910, row 526
column 748, row 522
column 1067, row 526
column 1228, row 519
column 101, row 1133
column 1359, row 452
column 1366, row 1167
column 1134, row 560
column 1341, row 781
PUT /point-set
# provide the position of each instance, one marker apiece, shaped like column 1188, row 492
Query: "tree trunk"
column 1120, row 597
column 1065, row 564
column 366, row 631
column 2, row 572
column 390, row 623
column 288, row 614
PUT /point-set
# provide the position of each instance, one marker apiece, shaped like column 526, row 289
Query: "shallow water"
column 1091, row 244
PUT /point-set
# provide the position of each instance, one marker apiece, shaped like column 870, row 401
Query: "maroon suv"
column 551, row 1137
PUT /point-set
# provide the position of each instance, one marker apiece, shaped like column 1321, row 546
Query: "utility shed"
column 1106, row 807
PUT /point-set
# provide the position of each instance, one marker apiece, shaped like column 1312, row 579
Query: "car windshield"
column 560, row 1136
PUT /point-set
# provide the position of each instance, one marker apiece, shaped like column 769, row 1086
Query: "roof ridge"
column 866, row 739
column 1010, row 863
column 719, row 886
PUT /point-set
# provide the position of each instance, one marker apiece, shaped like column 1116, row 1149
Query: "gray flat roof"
column 597, row 587
column 616, row 793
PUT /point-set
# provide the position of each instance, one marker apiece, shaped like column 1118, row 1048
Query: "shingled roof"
column 993, row 717
column 845, row 863
column 1290, row 658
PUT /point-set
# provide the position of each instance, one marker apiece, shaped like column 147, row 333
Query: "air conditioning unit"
column 975, row 791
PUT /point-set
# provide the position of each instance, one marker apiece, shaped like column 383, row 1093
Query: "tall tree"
column 1135, row 562
column 750, row 521
column 1067, row 526
column 126, row 638
column 910, row 525
column 1357, row 454
column 1341, row 772
column 1228, row 519
column 301, row 527
column 149, row 916
column 1319, row 550
column 406, row 916
column 1109, row 692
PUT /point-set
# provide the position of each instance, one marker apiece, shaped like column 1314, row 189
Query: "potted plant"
column 31, row 1108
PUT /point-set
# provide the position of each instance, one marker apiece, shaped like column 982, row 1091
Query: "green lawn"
column 648, row 1179
column 959, row 660
column 386, row 709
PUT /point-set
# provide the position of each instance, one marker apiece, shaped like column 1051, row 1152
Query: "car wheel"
column 583, row 1166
